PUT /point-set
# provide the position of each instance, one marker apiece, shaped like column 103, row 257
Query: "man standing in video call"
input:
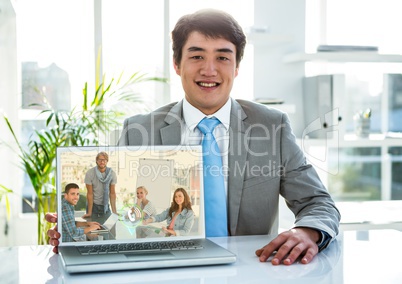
column 208, row 46
column 100, row 182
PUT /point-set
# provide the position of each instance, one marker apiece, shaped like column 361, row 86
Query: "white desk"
column 368, row 215
column 355, row 257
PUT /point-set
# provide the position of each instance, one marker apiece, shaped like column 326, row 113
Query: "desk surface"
column 370, row 256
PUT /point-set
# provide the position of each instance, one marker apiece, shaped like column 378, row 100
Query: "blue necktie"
column 214, row 186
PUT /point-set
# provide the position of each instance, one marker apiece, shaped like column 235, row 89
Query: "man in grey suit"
column 261, row 159
column 261, row 156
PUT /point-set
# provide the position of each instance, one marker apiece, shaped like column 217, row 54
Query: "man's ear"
column 176, row 67
column 237, row 70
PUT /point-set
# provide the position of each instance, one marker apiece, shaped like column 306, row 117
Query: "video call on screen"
column 160, row 171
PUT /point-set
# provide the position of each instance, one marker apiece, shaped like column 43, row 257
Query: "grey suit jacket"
column 264, row 161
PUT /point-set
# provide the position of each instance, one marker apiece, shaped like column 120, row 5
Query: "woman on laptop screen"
column 145, row 207
column 179, row 216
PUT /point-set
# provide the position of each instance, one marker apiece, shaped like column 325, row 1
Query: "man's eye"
column 197, row 57
column 223, row 58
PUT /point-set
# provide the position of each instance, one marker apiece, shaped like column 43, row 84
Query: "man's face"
column 207, row 71
column 101, row 162
column 72, row 196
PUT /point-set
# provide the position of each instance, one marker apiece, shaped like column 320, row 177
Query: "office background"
column 53, row 46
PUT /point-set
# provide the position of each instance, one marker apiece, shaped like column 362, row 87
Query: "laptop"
column 126, row 241
column 107, row 226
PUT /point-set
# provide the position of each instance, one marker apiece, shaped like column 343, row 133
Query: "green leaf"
column 85, row 93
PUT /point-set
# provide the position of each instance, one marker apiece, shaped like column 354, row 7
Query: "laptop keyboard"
column 139, row 247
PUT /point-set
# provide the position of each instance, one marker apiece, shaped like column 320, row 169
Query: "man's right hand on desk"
column 53, row 234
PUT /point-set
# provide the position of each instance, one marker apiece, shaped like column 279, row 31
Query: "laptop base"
column 212, row 254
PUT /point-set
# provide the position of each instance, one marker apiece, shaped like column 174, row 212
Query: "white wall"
column 8, row 101
column 285, row 21
column 273, row 78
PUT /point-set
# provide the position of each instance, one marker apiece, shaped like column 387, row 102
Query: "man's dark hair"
column 211, row 23
column 104, row 154
column 70, row 186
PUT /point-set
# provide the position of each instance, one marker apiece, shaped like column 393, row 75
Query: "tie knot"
column 207, row 125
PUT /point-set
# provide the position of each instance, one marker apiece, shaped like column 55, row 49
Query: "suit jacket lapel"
column 171, row 134
column 238, row 144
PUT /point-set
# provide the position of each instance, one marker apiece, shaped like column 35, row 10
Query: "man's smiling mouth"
column 208, row 85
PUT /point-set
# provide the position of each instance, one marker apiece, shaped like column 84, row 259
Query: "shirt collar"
column 192, row 115
column 67, row 203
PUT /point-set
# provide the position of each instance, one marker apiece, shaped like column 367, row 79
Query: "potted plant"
column 79, row 127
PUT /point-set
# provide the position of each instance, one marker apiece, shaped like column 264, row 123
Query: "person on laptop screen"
column 179, row 216
column 146, row 208
column 100, row 182
column 74, row 230
column 208, row 46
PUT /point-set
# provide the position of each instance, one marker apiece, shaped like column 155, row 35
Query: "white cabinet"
column 356, row 168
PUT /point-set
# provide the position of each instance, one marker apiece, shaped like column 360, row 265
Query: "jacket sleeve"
column 304, row 193
column 161, row 216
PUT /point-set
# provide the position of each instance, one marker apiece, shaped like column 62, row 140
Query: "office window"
column 54, row 45
column 396, row 170
column 133, row 41
column 358, row 175
column 54, row 41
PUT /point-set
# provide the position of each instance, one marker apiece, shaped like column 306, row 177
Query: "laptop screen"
column 149, row 184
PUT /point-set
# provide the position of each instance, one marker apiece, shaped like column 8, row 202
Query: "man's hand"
column 86, row 215
column 53, row 234
column 289, row 245
column 93, row 224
